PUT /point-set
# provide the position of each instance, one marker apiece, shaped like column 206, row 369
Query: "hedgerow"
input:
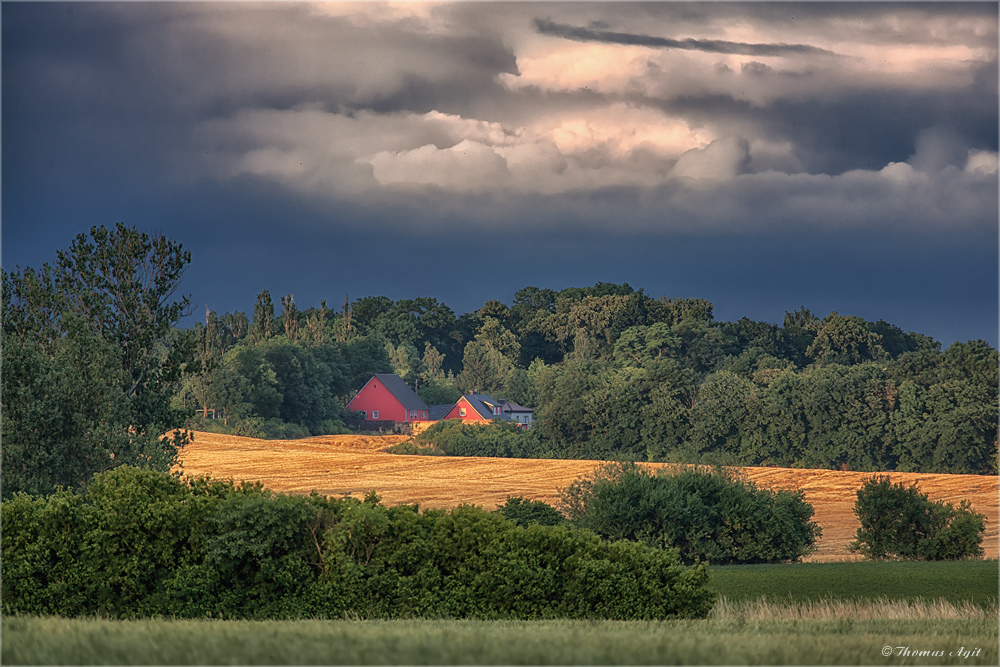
column 454, row 437
column 142, row 543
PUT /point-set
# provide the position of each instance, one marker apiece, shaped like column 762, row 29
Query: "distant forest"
column 615, row 374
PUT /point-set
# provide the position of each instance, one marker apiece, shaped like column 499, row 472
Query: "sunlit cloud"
column 982, row 162
column 572, row 66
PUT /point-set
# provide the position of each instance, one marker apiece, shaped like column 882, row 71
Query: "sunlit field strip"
column 861, row 610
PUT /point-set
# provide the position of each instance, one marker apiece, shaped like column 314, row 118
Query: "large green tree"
column 488, row 361
column 91, row 359
column 706, row 515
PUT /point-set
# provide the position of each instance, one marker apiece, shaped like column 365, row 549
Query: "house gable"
column 475, row 407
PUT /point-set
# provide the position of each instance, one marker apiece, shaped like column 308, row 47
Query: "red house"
column 476, row 407
column 386, row 396
column 482, row 408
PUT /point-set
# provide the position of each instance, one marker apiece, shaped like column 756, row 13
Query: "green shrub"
column 43, row 570
column 270, row 429
column 249, row 427
column 393, row 562
column 899, row 522
column 141, row 543
column 276, row 429
column 525, row 512
column 498, row 438
column 706, row 515
column 107, row 550
column 411, row 448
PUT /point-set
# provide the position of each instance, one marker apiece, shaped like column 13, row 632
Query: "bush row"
column 143, row 543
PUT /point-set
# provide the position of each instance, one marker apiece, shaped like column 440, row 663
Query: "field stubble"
column 352, row 465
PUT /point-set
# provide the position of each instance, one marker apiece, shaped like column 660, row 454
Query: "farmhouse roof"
column 511, row 406
column 406, row 396
column 438, row 412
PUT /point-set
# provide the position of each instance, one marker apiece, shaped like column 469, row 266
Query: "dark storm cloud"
column 547, row 27
column 212, row 59
column 862, row 131
column 855, row 130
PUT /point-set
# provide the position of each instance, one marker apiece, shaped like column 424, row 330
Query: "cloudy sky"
column 762, row 156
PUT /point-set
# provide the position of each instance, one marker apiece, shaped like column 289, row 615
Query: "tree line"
column 615, row 373
column 96, row 369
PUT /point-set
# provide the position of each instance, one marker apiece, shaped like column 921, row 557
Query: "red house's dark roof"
column 439, row 411
column 406, row 396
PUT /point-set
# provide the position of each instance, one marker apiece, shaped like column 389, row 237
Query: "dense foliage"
column 707, row 515
column 143, row 543
column 283, row 378
column 90, row 360
column 615, row 374
column 525, row 512
column 899, row 522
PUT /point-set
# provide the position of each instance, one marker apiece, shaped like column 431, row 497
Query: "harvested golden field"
column 339, row 465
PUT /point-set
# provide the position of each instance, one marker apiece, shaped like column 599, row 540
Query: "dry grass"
column 353, row 465
column 859, row 610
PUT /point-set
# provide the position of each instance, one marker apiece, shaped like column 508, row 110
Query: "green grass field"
column 837, row 613
column 49, row 641
column 976, row 582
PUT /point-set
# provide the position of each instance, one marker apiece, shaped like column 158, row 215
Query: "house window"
column 496, row 410
column 374, row 414
column 461, row 412
column 423, row 414
column 364, row 414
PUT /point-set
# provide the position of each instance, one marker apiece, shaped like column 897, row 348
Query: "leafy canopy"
column 91, row 359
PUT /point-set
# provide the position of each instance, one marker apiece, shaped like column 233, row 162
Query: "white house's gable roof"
column 510, row 406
